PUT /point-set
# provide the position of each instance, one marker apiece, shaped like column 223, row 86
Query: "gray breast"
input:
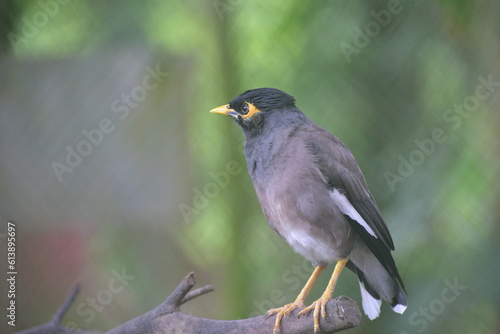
column 297, row 203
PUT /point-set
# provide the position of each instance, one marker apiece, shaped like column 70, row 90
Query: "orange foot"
column 318, row 306
column 284, row 311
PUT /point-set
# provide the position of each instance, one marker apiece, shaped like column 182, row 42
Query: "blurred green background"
column 119, row 179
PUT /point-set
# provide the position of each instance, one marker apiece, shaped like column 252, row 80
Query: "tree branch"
column 66, row 305
column 55, row 326
column 342, row 313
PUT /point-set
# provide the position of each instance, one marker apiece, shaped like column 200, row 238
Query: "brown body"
column 305, row 219
column 314, row 195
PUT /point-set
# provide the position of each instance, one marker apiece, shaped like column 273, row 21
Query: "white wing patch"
column 346, row 207
column 371, row 306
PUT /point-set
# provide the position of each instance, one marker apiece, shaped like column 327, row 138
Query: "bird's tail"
column 376, row 284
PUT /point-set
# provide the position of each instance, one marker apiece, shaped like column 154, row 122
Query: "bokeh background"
column 119, row 179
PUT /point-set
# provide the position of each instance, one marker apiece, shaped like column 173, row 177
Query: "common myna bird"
column 314, row 196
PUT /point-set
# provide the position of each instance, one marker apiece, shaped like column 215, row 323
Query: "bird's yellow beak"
column 224, row 110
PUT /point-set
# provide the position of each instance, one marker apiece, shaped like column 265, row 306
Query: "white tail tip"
column 400, row 308
column 371, row 306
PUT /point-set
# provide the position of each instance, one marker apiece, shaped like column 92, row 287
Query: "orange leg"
column 320, row 304
column 299, row 301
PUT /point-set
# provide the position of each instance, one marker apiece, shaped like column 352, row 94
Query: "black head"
column 251, row 108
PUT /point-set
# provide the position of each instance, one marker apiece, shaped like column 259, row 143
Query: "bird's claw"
column 319, row 307
column 281, row 312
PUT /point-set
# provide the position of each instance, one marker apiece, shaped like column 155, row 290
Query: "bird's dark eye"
column 244, row 109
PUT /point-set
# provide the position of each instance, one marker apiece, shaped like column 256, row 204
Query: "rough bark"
column 167, row 318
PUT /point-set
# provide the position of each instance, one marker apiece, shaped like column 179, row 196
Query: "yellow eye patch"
column 252, row 110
